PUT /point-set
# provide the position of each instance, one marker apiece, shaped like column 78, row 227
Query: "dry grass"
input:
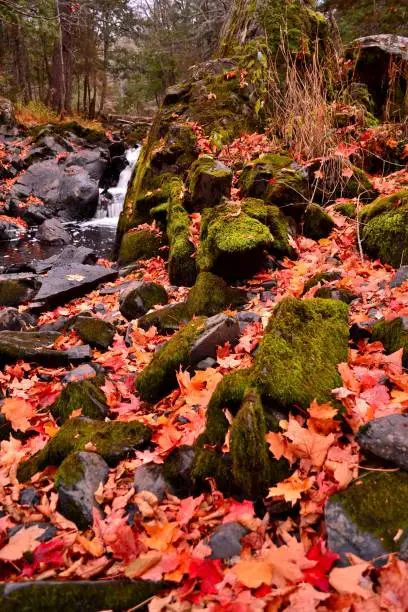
column 37, row 113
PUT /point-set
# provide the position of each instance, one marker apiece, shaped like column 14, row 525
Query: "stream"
column 97, row 234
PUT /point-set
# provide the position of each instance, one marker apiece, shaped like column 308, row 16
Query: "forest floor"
column 284, row 564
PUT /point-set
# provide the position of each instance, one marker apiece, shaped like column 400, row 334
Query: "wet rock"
column 17, row 289
column 70, row 255
column 13, row 320
column 82, row 372
column 225, row 542
column 218, row 330
column 34, row 347
column 29, row 497
column 400, row 277
column 150, row 478
column 53, row 232
column 387, row 437
column 11, row 229
column 112, row 440
column 71, row 281
column 77, row 596
column 365, row 518
column 78, row 477
column 85, row 395
column 139, row 297
column 209, row 180
column 95, row 332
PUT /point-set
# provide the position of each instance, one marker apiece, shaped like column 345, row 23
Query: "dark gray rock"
column 219, row 329
column 387, row 437
column 177, row 469
column 78, row 478
column 34, row 347
column 17, row 289
column 52, row 231
column 10, row 229
column 400, row 277
column 70, row 255
column 72, row 281
column 225, row 542
column 82, row 372
column 96, row 332
column 246, row 317
column 139, row 297
column 13, row 320
column 91, row 160
column 77, row 354
column 209, row 181
column 29, row 497
column 151, row 478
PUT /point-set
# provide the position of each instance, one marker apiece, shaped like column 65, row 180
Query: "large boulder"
column 53, row 232
column 209, row 180
column 36, row 347
column 85, row 395
column 139, row 297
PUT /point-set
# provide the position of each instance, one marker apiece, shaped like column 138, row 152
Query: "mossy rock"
column 232, row 242
column 332, row 184
column 317, row 223
column 331, row 293
column 159, row 214
column 275, row 221
column 181, row 264
column 365, row 518
column 77, row 596
column 112, row 440
column 383, row 204
column 159, row 377
column 209, row 180
column 139, row 244
column 347, row 209
column 289, row 186
column 321, row 277
column 84, row 394
column 257, row 174
column 94, row 331
column 14, row 292
column 167, row 320
column 139, row 297
column 385, row 237
column 393, row 335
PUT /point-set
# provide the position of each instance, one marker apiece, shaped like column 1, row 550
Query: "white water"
column 110, row 216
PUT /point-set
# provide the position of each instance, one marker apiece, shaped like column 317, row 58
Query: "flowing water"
column 98, row 233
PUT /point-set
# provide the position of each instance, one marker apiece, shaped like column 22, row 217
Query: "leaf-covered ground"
column 284, row 564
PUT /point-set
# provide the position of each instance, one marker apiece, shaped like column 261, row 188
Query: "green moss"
column 77, row 596
column 211, row 464
column 112, row 440
column 393, row 336
column 273, row 218
column 167, row 319
column 317, row 223
column 94, row 331
column 159, row 377
column 377, row 504
column 70, row 471
column 321, row 277
column 386, row 237
column 289, row 186
column 208, row 182
column 12, row 293
column 359, row 185
column 181, row 264
column 256, row 174
column 211, row 295
column 383, row 204
column 347, row 209
column 85, row 394
column 140, row 244
column 297, row 359
column 140, row 297
column 232, row 242
column 159, row 213
column 331, row 293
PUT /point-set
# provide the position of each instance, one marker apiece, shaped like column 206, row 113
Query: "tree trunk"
column 61, row 88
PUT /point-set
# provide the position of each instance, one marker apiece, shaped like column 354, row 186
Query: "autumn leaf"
column 279, row 446
column 308, row 444
column 18, row 411
column 209, row 572
column 292, row 488
column 317, row 575
column 350, row 579
column 48, row 554
column 25, row 540
column 188, row 508
column 161, row 535
column 142, row 564
column 252, row 573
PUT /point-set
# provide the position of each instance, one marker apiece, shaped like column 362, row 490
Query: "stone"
column 209, row 181
column 258, row 174
column 70, row 255
column 139, row 297
column 387, row 438
column 177, row 470
column 246, row 317
column 399, row 277
column 82, row 372
column 29, row 497
column 91, row 160
column 71, row 281
column 13, row 320
column 49, row 530
column 331, row 293
column 85, row 395
column 16, row 289
column 34, row 347
column 52, row 231
column 10, row 229
column 364, row 519
column 78, row 477
column 317, row 223
column 393, row 334
column 77, row 596
column 150, row 478
column 218, row 330
column 225, row 541
column 96, row 332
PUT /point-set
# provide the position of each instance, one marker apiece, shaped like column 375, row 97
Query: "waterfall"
column 109, row 209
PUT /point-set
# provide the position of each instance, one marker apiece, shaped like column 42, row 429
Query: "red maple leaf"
column 317, row 575
column 209, row 571
column 47, row 554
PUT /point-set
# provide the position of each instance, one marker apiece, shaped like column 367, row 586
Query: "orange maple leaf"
column 18, row 411
column 291, row 488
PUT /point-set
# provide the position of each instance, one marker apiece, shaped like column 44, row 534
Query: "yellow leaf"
column 161, row 535
column 143, row 563
column 94, row 547
column 292, row 488
column 253, row 573
column 308, row 444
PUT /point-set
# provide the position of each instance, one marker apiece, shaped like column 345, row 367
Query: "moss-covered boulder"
column 385, row 229
column 139, row 297
column 85, row 395
column 181, row 264
column 78, row 477
column 111, row 440
column 139, row 244
column 275, row 221
column 209, row 180
column 77, row 596
column 393, row 335
column 317, row 223
column 289, row 186
column 321, row 277
column 365, row 518
column 232, row 242
column 167, row 320
column 347, row 209
column 332, row 293
column 159, row 377
column 95, row 332
column 258, row 174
